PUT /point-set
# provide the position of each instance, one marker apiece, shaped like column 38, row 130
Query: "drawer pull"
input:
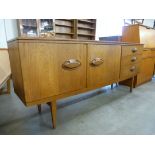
column 132, row 68
column 134, row 49
column 133, row 59
column 96, row 61
column 71, row 64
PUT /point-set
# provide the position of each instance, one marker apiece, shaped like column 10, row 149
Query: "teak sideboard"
column 44, row 70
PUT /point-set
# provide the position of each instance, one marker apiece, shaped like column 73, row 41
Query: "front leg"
column 39, row 108
column 53, row 108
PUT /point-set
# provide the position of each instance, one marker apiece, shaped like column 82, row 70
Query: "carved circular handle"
column 96, row 61
column 134, row 49
column 71, row 64
column 133, row 59
column 132, row 68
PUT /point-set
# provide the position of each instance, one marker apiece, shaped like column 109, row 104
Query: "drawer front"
column 146, row 71
column 148, row 54
column 50, row 69
column 131, row 59
column 103, row 64
column 153, row 53
column 131, row 50
column 129, row 71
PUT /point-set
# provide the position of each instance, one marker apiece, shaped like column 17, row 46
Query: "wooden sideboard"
column 144, row 35
column 147, row 66
column 44, row 70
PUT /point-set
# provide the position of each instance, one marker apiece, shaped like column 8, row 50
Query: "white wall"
column 11, row 28
column 3, row 43
column 148, row 22
column 8, row 31
column 109, row 27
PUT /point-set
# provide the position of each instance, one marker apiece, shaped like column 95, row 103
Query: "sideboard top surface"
column 40, row 39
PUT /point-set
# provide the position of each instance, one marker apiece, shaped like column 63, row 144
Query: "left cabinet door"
column 52, row 68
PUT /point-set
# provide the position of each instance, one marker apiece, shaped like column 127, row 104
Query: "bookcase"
column 81, row 29
column 65, row 28
column 86, row 29
column 35, row 27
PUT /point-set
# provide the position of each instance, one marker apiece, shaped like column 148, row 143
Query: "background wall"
column 113, row 27
column 8, row 30
column 3, row 43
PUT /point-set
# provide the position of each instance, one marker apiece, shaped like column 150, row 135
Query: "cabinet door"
column 103, row 64
column 44, row 70
column 146, row 71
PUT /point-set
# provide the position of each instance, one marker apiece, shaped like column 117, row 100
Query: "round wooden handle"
column 71, row 64
column 96, row 61
column 132, row 68
column 134, row 49
column 133, row 59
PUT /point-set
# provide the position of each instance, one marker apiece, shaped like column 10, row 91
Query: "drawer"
column 146, row 71
column 131, row 50
column 153, row 53
column 131, row 59
column 129, row 71
column 147, row 54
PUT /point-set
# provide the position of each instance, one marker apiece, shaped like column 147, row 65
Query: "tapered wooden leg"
column 39, row 108
column 112, row 86
column 8, row 86
column 53, row 108
column 131, row 86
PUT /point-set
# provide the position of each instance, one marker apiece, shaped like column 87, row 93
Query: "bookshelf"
column 64, row 28
column 84, row 29
column 28, row 27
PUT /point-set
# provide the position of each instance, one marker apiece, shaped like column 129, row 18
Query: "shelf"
column 80, row 27
column 30, row 26
column 66, row 19
column 63, row 25
column 82, row 34
column 64, row 33
column 86, row 21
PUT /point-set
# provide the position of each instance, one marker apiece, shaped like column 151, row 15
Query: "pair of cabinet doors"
column 50, row 69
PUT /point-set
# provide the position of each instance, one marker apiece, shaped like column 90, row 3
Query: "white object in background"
column 11, row 28
column 3, row 42
column 109, row 27
column 8, row 31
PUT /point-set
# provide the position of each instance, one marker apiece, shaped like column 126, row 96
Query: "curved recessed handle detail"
column 97, row 61
column 71, row 64
column 134, row 49
column 132, row 68
column 133, row 59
